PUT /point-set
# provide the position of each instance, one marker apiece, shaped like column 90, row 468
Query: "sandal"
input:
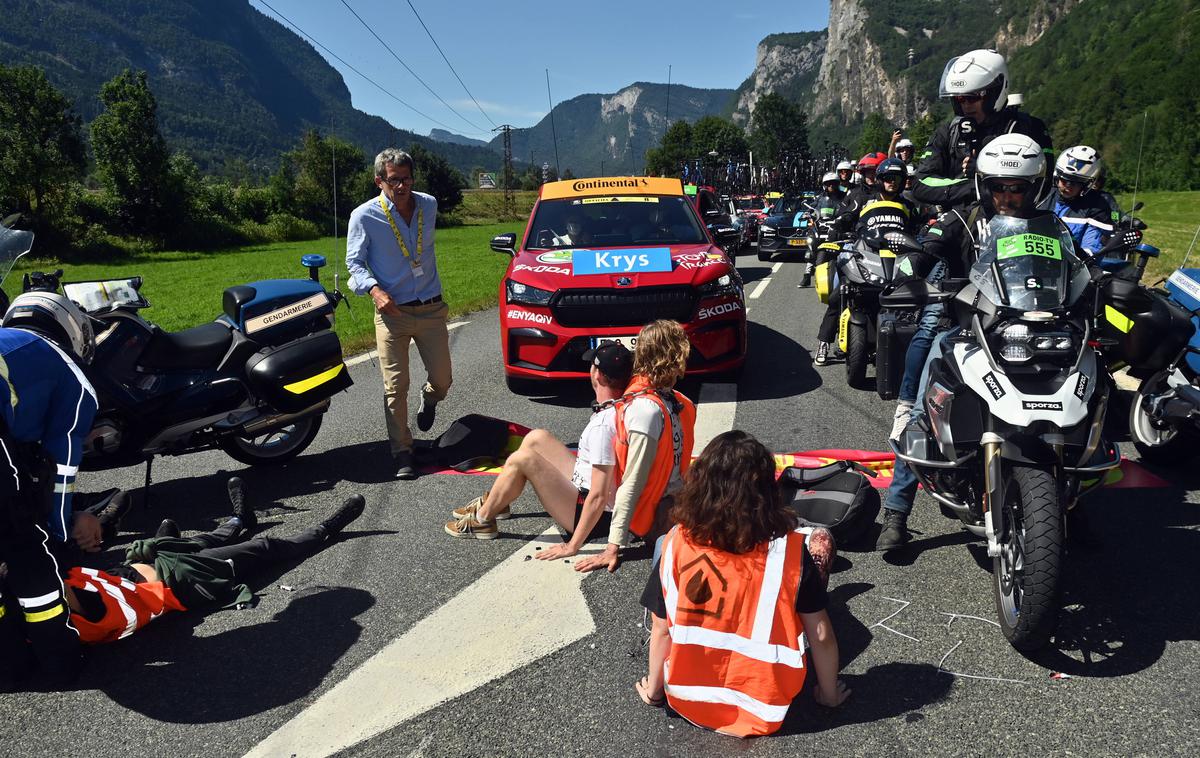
column 643, row 690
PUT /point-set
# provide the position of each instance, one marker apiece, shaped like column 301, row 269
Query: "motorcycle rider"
column 845, row 170
column 976, row 83
column 1011, row 172
column 46, row 410
column 1084, row 212
column 826, row 205
column 880, row 207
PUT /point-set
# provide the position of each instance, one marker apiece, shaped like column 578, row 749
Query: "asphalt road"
column 221, row 684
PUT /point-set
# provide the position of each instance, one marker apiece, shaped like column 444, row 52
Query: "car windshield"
column 614, row 222
column 747, row 203
column 787, row 205
column 1028, row 264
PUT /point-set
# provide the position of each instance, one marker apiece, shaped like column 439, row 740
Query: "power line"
column 337, row 57
column 553, row 131
column 406, row 68
column 456, row 76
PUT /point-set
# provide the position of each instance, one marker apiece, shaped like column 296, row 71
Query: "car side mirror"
column 505, row 243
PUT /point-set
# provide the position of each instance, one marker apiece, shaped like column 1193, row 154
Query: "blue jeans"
column 918, row 348
column 903, row 489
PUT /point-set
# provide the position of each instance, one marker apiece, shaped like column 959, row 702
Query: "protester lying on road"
column 653, row 445
column 172, row 573
column 734, row 595
column 577, row 491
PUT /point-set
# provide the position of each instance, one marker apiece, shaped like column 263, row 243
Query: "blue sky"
column 501, row 50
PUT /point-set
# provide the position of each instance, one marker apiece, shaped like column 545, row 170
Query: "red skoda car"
column 601, row 258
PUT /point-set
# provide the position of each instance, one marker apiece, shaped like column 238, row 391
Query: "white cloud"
column 498, row 108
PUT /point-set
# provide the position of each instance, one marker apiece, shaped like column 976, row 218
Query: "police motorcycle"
column 254, row 383
column 1014, row 408
column 865, row 267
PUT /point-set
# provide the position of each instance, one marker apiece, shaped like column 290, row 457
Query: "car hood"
column 553, row 269
column 781, row 219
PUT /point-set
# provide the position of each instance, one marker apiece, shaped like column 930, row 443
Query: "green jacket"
column 196, row 580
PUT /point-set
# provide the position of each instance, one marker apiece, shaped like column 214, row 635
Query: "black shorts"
column 600, row 530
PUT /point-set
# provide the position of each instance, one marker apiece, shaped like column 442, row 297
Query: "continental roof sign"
column 613, row 185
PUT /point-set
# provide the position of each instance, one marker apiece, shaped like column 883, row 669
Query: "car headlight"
column 766, row 230
column 722, row 286
column 525, row 294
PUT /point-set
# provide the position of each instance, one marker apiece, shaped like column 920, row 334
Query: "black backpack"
column 836, row 496
column 471, row 441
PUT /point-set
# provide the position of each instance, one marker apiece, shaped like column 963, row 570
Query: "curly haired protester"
column 653, row 445
column 735, row 595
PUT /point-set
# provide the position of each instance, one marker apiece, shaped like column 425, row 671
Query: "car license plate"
column 629, row 342
column 798, row 243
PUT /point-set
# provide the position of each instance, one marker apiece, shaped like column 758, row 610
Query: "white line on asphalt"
column 520, row 611
column 758, row 290
column 371, row 354
column 714, row 412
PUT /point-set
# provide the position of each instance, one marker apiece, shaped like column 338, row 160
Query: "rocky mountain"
column 787, row 64
column 610, row 133
column 231, row 83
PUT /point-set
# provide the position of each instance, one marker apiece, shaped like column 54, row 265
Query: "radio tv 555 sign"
column 622, row 261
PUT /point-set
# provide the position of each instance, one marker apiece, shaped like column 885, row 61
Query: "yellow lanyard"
column 396, row 231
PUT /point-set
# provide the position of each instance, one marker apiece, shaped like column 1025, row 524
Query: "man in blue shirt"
column 1084, row 211
column 390, row 256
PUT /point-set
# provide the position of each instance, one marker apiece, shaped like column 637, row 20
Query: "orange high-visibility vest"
column 737, row 643
column 674, row 449
column 127, row 606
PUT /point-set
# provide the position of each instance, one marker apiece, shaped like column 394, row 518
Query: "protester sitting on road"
column 721, row 660
column 655, row 432
column 172, row 573
column 576, row 490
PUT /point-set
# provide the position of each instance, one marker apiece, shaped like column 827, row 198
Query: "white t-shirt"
column 643, row 415
column 596, row 449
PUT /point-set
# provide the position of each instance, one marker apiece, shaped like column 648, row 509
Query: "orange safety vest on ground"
column 737, row 643
column 127, row 606
column 674, row 449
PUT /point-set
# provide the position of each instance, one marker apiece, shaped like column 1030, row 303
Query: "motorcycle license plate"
column 629, row 342
column 798, row 243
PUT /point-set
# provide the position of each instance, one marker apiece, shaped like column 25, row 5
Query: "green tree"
column 673, row 149
column 132, row 159
column 310, row 168
column 778, row 127
column 923, row 128
column 876, row 134
column 435, row 176
column 715, row 133
column 41, row 145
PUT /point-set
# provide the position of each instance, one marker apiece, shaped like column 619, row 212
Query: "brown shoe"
column 470, row 529
column 471, row 508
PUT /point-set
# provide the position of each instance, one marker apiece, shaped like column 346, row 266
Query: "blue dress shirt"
column 374, row 257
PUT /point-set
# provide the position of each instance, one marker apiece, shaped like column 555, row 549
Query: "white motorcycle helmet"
column 1079, row 164
column 844, row 166
column 1013, row 157
column 57, row 319
column 830, row 176
column 982, row 72
column 906, row 142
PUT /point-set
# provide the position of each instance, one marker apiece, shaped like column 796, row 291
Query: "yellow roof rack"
column 611, row 185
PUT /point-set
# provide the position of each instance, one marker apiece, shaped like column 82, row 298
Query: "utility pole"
column 668, row 117
column 510, row 206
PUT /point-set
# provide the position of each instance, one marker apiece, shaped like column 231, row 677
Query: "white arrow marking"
column 520, row 611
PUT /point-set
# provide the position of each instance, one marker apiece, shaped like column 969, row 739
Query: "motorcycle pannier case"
column 894, row 337
column 1149, row 331
column 838, row 497
column 299, row 374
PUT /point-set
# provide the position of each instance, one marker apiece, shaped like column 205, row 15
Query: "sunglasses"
column 397, row 181
column 1018, row 188
column 967, row 98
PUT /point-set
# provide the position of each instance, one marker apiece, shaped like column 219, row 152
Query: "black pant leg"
column 252, row 555
column 222, row 535
column 828, row 331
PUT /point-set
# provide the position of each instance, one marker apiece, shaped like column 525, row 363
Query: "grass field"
column 1171, row 218
column 487, row 206
column 184, row 288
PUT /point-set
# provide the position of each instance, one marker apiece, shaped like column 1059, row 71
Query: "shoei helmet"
column 57, row 319
column 1079, row 164
column 830, row 178
column 979, row 72
column 906, row 142
column 1011, row 157
column 845, row 166
column 892, row 167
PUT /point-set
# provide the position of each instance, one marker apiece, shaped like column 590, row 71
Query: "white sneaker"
column 900, row 420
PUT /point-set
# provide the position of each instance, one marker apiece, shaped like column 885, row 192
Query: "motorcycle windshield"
column 13, row 244
column 1028, row 264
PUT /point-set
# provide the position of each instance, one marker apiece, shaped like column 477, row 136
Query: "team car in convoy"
column 785, row 229
column 601, row 257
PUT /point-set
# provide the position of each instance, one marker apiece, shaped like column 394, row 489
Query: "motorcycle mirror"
column 10, row 220
column 1137, row 206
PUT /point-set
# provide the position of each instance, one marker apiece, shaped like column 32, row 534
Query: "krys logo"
column 556, row 256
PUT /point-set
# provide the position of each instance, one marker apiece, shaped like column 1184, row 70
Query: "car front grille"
column 603, row 307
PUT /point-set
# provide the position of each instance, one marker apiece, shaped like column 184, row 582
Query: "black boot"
column 168, row 528
column 237, row 498
column 342, row 517
column 895, row 530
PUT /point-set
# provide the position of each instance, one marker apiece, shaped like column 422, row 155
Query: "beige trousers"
column 426, row 326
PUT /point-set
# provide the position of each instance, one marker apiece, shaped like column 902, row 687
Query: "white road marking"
column 714, row 413
column 520, row 611
column 1125, row 381
column 371, row 355
column 762, row 285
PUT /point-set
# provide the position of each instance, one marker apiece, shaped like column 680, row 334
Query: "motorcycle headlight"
column 725, row 285
column 766, row 230
column 1021, row 344
column 525, row 294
